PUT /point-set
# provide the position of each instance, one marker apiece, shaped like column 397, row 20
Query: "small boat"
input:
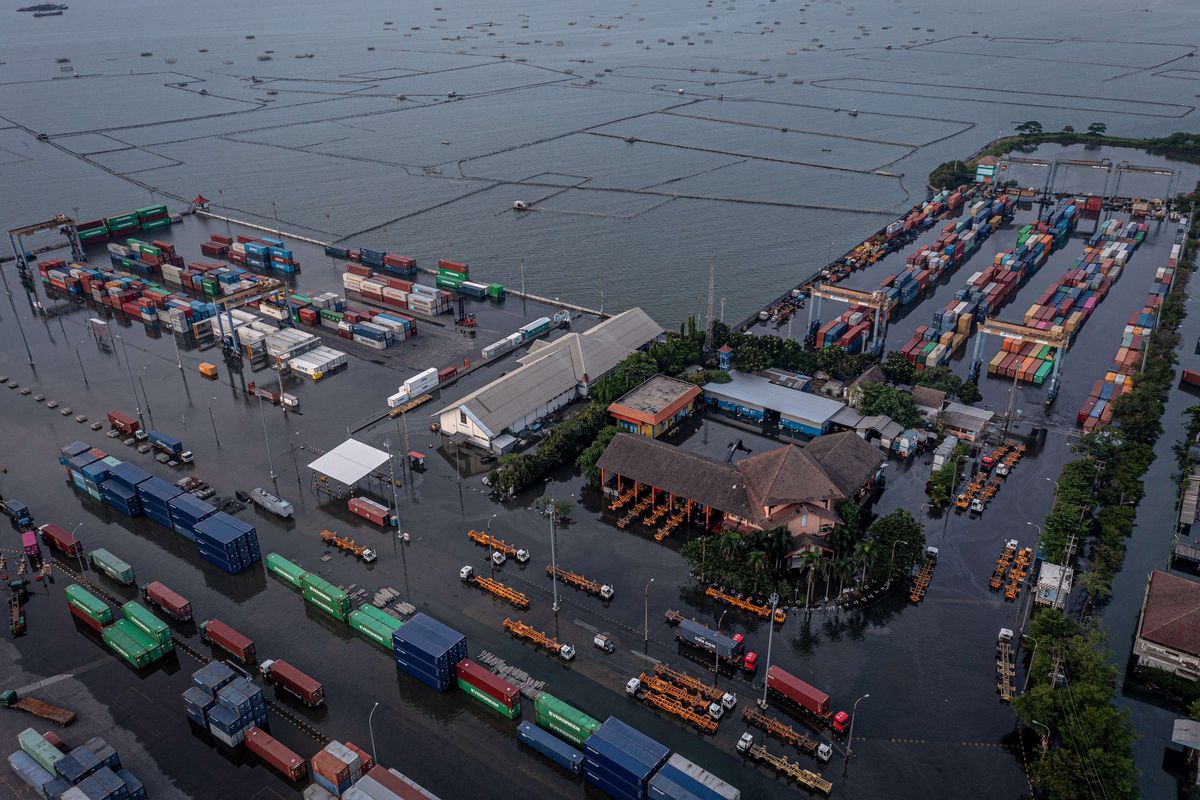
column 521, row 205
column 853, row 112
column 47, row 14
column 264, row 58
column 304, row 55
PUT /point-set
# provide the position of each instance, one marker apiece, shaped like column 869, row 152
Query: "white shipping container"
column 369, row 342
column 422, row 381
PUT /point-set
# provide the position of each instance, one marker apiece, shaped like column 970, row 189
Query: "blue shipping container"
column 551, row 747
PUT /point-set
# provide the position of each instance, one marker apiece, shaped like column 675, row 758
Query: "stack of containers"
column 1097, row 410
column 155, row 495
column 121, row 496
column 186, row 511
column 199, row 698
column 122, row 224
column 428, row 650
column 92, row 232
column 88, row 608
column 680, row 779
column 374, row 336
column 387, row 784
column 318, row 362
column 226, row 704
column 620, row 760
column 330, row 772
column 92, row 770
column 488, row 689
column 563, row 720
column 147, row 623
column 227, row 542
column 375, row 625
column 132, row 644
column 69, row 451
column 401, row 327
column 451, row 274
column 153, row 217
column 402, row 266
column 324, row 595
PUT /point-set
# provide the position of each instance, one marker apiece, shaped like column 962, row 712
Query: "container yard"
column 320, row 616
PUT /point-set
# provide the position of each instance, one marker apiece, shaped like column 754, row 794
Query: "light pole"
column 146, row 397
column 137, row 404
column 371, row 727
column 266, row 441
column 553, row 556
column 770, row 635
column 1032, row 655
column 850, row 736
column 953, row 489
column 214, row 424
column 891, row 563
column 1046, row 740
column 489, row 522
column 717, row 649
column 79, row 551
column 395, row 500
column 1029, row 594
column 646, row 615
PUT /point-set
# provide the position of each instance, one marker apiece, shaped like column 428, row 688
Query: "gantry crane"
column 876, row 301
column 1022, row 333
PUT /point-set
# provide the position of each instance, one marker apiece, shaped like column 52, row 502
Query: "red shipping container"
column 454, row 266
column 369, row 510
column 446, row 374
column 275, row 753
column 213, row 250
column 309, row 316
column 365, row 758
column 59, row 744
column 228, row 639
column 84, row 618
column 403, row 262
column 221, row 238
column 354, row 255
column 244, row 239
column 359, row 269
column 174, row 604
column 402, row 786
column 399, row 283
column 60, row 540
column 487, row 682
column 330, row 767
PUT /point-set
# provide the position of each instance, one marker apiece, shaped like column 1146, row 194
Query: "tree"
column 879, row 398
column 968, row 392
column 900, row 534
column 843, row 569
column 591, row 454
column 951, row 174
column 810, row 562
column 1030, row 128
column 1097, row 129
column 898, row 368
column 1068, row 128
column 864, row 553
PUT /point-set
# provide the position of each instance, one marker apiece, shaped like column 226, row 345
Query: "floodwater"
column 648, row 147
column 650, row 138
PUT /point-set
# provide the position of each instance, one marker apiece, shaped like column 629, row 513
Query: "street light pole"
column 646, row 615
column 79, row 552
column 266, row 441
column 850, row 736
column 137, row 404
column 770, row 635
column 214, row 424
column 395, row 500
column 371, row 727
column 1029, row 594
column 717, row 650
column 489, row 522
column 1045, row 741
column 553, row 555
column 953, row 490
column 1032, row 655
column 146, row 397
column 892, row 562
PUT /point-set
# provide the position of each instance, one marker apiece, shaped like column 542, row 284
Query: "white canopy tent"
column 346, row 465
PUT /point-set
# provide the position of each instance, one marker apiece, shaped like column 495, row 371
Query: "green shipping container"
column 382, row 617
column 1042, row 373
column 321, row 589
column 89, row 604
column 333, row 316
column 563, row 719
column 156, row 224
column 41, row 751
column 317, row 602
column 151, row 211
column 124, row 645
column 490, row 702
column 372, row 630
column 149, row 624
column 112, row 566
column 285, row 570
column 446, row 283
column 156, row 648
column 496, row 291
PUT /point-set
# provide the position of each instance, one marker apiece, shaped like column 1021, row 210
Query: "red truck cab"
column 840, row 721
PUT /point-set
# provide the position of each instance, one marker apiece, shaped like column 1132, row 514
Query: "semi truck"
column 291, row 680
column 171, row 446
column 807, row 699
column 60, row 540
column 174, row 605
column 729, row 650
column 18, row 514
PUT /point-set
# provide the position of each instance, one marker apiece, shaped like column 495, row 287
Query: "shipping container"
column 216, row 632
column 680, row 779
column 293, row 681
column 266, row 747
column 286, row 571
column 563, row 719
column 551, row 747
column 172, row 604
column 111, row 566
column 149, row 624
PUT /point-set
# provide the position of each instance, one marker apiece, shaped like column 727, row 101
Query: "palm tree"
column 756, row 564
column 810, row 562
column 843, row 568
column 865, row 553
column 778, row 543
column 729, row 546
column 841, row 539
column 826, row 570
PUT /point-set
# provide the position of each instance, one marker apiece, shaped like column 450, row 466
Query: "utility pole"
column 521, row 262
column 770, row 635
column 81, row 372
column 266, row 441
column 146, row 397
column 722, row 310
column 225, row 212
column 136, row 403
column 395, row 500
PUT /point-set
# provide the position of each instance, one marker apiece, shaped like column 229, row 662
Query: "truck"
column 216, row 632
column 38, row 708
column 170, row 445
column 18, row 514
column 58, row 539
column 124, row 423
column 169, row 602
column 269, row 502
column 805, row 698
column 730, row 650
column 291, row 680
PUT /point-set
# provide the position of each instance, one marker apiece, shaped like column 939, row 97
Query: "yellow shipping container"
column 964, row 324
column 946, row 337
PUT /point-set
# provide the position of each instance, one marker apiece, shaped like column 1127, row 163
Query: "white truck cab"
column 466, row 573
column 606, row 592
column 566, row 652
column 498, row 558
column 522, row 556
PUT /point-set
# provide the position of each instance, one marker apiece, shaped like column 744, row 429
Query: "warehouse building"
column 758, row 399
column 551, row 375
column 656, row 406
column 1168, row 635
column 965, row 422
column 795, row 487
